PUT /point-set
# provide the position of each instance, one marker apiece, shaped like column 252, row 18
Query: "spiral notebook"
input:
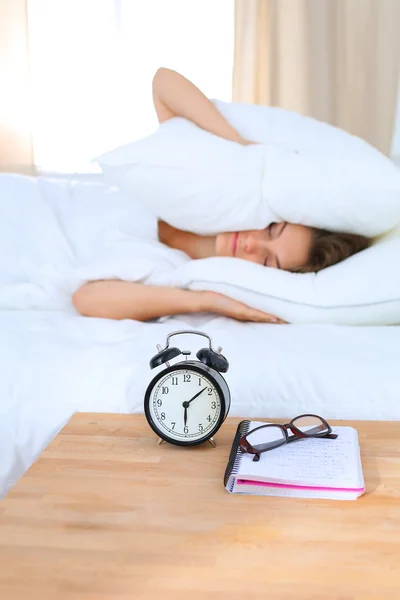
column 311, row 468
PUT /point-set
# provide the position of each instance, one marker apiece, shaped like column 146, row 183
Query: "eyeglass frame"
column 246, row 447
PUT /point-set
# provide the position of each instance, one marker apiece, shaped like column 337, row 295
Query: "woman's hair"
column 329, row 248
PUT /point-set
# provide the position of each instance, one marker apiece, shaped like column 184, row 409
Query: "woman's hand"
column 245, row 142
column 225, row 306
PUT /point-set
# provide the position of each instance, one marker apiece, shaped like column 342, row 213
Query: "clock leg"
column 160, row 441
column 212, row 442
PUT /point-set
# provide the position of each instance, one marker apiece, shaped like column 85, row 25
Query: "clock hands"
column 187, row 404
column 196, row 395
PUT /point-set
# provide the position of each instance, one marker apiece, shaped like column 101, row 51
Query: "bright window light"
column 92, row 63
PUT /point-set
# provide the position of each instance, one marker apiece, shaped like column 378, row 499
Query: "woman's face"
column 281, row 245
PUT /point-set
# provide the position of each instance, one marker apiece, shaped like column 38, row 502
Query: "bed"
column 54, row 362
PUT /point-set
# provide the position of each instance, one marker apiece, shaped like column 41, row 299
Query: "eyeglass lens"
column 310, row 425
column 264, row 438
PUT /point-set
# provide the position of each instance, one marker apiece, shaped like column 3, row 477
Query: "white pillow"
column 362, row 290
column 192, row 179
column 304, row 171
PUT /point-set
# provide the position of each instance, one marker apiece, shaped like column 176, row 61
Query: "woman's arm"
column 176, row 96
column 116, row 299
column 195, row 246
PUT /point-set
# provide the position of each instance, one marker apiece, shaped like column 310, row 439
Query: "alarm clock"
column 187, row 402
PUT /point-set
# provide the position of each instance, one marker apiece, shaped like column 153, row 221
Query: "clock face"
column 184, row 405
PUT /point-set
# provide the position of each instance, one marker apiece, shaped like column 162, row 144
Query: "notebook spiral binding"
column 234, row 457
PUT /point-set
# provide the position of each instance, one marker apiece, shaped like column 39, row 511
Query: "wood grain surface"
column 107, row 514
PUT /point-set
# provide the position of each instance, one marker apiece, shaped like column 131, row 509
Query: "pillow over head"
column 304, row 171
column 192, row 179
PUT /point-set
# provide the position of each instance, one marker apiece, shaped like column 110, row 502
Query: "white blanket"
column 54, row 235
column 57, row 234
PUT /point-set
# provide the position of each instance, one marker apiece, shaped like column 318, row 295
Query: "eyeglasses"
column 267, row 437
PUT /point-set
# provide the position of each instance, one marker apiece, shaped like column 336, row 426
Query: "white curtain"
column 396, row 135
column 92, row 63
column 336, row 60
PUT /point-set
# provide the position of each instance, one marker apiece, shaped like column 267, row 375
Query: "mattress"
column 53, row 364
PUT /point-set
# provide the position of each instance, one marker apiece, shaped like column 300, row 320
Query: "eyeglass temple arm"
column 328, row 436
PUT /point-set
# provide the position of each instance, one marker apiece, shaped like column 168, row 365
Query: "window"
column 92, row 62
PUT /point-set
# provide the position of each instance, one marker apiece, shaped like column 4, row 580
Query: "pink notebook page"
column 296, row 487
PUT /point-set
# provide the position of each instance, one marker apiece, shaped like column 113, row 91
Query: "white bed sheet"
column 53, row 364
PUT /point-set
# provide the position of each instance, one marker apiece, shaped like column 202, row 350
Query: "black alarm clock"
column 186, row 403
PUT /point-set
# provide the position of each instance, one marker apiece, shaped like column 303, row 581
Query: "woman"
column 281, row 245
